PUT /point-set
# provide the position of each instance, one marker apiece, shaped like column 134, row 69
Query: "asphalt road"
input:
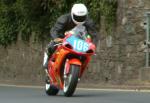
column 37, row 95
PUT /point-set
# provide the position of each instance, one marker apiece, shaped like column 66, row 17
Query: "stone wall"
column 21, row 63
column 119, row 58
column 131, row 34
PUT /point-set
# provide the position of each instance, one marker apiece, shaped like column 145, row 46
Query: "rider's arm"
column 59, row 27
column 92, row 30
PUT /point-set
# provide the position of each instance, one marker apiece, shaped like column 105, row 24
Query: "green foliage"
column 8, row 24
column 26, row 16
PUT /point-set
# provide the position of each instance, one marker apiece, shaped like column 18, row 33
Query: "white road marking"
column 86, row 89
column 21, row 86
column 115, row 90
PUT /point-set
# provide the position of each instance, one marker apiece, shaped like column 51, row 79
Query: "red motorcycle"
column 67, row 64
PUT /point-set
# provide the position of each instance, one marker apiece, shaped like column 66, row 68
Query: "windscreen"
column 77, row 39
column 80, row 32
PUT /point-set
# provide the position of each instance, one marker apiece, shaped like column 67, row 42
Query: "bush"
column 27, row 16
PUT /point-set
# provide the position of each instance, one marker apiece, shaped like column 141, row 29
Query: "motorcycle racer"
column 78, row 16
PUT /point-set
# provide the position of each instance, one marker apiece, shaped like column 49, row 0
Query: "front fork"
column 70, row 62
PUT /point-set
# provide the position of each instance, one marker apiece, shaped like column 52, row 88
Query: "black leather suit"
column 65, row 23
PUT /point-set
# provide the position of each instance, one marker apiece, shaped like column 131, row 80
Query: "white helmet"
column 79, row 13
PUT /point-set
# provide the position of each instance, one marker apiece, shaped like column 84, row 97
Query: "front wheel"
column 71, row 80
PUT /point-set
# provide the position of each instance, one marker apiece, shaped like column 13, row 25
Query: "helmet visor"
column 79, row 18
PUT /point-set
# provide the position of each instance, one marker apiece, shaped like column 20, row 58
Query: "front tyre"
column 71, row 80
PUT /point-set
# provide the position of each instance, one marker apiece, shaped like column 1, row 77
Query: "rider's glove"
column 58, row 40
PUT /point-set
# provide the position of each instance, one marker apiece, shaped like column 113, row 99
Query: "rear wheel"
column 71, row 80
column 50, row 89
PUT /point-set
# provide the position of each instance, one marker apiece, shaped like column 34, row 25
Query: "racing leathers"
column 65, row 23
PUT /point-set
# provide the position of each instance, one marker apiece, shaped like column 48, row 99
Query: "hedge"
column 22, row 17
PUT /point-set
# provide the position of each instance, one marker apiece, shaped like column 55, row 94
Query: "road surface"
column 9, row 94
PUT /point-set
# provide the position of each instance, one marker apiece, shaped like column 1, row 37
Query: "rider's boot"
column 45, row 61
column 46, row 76
column 45, row 66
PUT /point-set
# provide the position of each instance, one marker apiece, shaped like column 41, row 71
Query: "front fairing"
column 78, row 44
